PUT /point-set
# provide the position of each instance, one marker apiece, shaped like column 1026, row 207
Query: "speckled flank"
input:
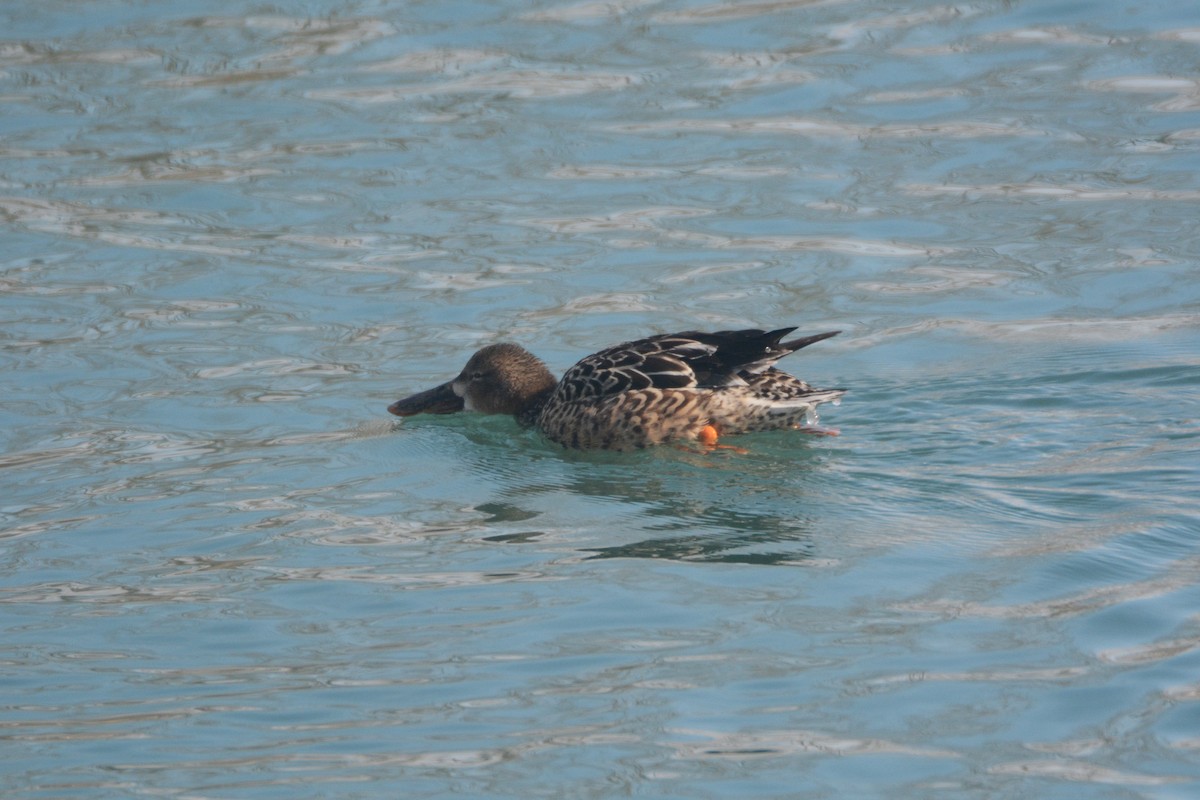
column 646, row 417
column 627, row 421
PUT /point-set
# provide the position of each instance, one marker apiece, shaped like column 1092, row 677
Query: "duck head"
column 499, row 379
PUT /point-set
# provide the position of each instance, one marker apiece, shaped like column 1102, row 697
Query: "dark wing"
column 679, row 361
column 659, row 361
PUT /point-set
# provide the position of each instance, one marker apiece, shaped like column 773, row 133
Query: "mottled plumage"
column 640, row 393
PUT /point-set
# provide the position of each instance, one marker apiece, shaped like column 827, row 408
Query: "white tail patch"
column 809, row 400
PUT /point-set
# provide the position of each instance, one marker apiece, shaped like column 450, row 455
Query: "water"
column 232, row 235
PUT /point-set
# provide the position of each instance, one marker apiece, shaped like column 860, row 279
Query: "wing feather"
column 679, row 361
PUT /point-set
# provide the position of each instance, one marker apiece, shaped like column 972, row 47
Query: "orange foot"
column 708, row 437
column 817, row 431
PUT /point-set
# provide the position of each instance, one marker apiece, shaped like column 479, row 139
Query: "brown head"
column 499, row 379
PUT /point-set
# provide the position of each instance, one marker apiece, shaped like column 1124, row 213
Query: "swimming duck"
column 680, row 387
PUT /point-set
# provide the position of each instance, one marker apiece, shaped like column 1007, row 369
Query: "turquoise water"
column 232, row 234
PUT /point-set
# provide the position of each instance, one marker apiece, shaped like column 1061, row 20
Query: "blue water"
column 233, row 233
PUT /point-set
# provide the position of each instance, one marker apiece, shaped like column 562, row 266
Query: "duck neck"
column 527, row 417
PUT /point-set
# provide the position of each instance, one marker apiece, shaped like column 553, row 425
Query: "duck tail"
column 809, row 399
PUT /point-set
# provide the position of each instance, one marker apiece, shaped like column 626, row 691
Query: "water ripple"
column 774, row 744
column 649, row 221
column 232, row 238
column 1053, row 192
column 740, row 9
column 1081, row 772
column 829, row 128
column 1084, row 602
column 520, row 83
column 117, row 226
column 1186, row 91
column 588, row 10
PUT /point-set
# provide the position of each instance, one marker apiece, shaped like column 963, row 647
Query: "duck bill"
column 438, row 400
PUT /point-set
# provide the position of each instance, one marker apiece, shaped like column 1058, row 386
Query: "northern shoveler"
column 688, row 386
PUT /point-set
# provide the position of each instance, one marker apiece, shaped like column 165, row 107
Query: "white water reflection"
column 530, row 83
column 775, row 744
column 805, row 126
column 717, row 12
column 1185, row 91
column 1055, row 192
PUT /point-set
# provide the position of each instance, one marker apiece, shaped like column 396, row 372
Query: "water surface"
column 233, row 235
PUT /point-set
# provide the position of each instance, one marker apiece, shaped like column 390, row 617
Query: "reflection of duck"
column 682, row 386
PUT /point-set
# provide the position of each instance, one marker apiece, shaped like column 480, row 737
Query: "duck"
column 677, row 387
